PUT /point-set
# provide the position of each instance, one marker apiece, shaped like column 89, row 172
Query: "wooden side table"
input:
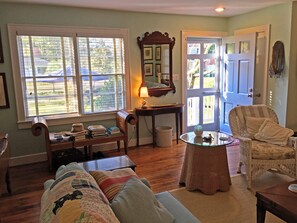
column 4, row 163
column 279, row 201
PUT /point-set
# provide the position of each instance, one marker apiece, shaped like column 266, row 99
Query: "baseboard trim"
column 27, row 159
column 41, row 157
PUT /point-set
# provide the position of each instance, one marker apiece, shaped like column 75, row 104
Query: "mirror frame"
column 157, row 37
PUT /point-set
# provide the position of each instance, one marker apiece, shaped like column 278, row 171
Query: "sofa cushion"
column 75, row 197
column 263, row 150
column 136, row 203
column 111, row 182
column 180, row 213
column 273, row 133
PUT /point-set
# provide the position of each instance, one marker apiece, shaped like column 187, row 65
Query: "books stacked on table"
column 77, row 132
column 113, row 130
column 96, row 130
column 81, row 135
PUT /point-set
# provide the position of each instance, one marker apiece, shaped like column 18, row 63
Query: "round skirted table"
column 205, row 166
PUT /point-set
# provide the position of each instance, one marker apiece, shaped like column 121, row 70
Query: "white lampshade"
column 143, row 92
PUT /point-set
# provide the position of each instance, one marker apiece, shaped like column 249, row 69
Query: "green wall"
column 279, row 17
column 292, row 89
column 22, row 141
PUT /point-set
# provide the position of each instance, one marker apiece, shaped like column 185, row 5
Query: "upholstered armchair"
column 264, row 144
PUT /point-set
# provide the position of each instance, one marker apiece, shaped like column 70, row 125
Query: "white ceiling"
column 184, row 7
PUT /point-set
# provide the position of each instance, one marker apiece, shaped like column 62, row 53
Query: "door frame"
column 212, row 34
column 184, row 35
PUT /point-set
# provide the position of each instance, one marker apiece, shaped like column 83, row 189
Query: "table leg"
column 181, row 122
column 86, row 152
column 119, row 145
column 261, row 211
column 50, row 160
column 176, row 126
column 137, row 132
column 7, row 179
column 91, row 152
column 153, row 130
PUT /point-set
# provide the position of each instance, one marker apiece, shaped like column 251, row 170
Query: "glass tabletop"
column 208, row 138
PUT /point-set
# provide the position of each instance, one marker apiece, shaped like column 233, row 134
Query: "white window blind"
column 70, row 74
column 47, row 75
column 101, row 62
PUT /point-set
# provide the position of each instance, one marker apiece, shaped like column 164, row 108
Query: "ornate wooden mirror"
column 156, row 62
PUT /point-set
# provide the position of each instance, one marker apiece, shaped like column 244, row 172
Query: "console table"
column 159, row 110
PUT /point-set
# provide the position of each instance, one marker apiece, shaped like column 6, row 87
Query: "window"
column 62, row 71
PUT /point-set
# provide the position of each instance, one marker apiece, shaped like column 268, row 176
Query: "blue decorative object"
column 198, row 130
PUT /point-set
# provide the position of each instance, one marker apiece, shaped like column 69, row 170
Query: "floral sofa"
column 107, row 196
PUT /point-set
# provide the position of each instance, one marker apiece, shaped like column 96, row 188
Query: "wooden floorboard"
column 161, row 166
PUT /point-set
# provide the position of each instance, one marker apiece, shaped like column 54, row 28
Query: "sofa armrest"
column 179, row 212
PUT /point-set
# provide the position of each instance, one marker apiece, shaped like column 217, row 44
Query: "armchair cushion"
column 267, row 151
column 253, row 125
column 273, row 133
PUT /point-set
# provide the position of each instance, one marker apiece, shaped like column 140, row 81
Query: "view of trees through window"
column 56, row 75
column 202, row 76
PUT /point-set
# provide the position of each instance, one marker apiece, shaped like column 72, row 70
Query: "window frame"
column 69, row 31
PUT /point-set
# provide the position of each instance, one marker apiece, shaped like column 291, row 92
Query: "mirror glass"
column 156, row 60
column 156, row 68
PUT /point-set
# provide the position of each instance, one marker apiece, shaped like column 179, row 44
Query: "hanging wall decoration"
column 277, row 65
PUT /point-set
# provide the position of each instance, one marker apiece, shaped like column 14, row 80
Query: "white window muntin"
column 15, row 30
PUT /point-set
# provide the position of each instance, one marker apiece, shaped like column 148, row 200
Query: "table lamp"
column 143, row 93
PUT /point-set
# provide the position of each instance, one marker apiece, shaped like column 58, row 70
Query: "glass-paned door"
column 202, row 83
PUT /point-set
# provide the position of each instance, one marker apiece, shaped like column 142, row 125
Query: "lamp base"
column 143, row 104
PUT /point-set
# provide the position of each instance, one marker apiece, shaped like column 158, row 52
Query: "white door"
column 237, row 79
column 202, row 94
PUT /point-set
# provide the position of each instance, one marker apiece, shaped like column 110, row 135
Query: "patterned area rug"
column 238, row 205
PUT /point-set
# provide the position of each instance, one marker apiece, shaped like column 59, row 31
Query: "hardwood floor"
column 161, row 166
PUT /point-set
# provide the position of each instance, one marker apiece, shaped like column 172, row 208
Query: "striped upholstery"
column 111, row 182
column 258, row 156
column 252, row 111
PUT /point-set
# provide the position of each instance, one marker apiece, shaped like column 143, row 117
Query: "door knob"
column 254, row 95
